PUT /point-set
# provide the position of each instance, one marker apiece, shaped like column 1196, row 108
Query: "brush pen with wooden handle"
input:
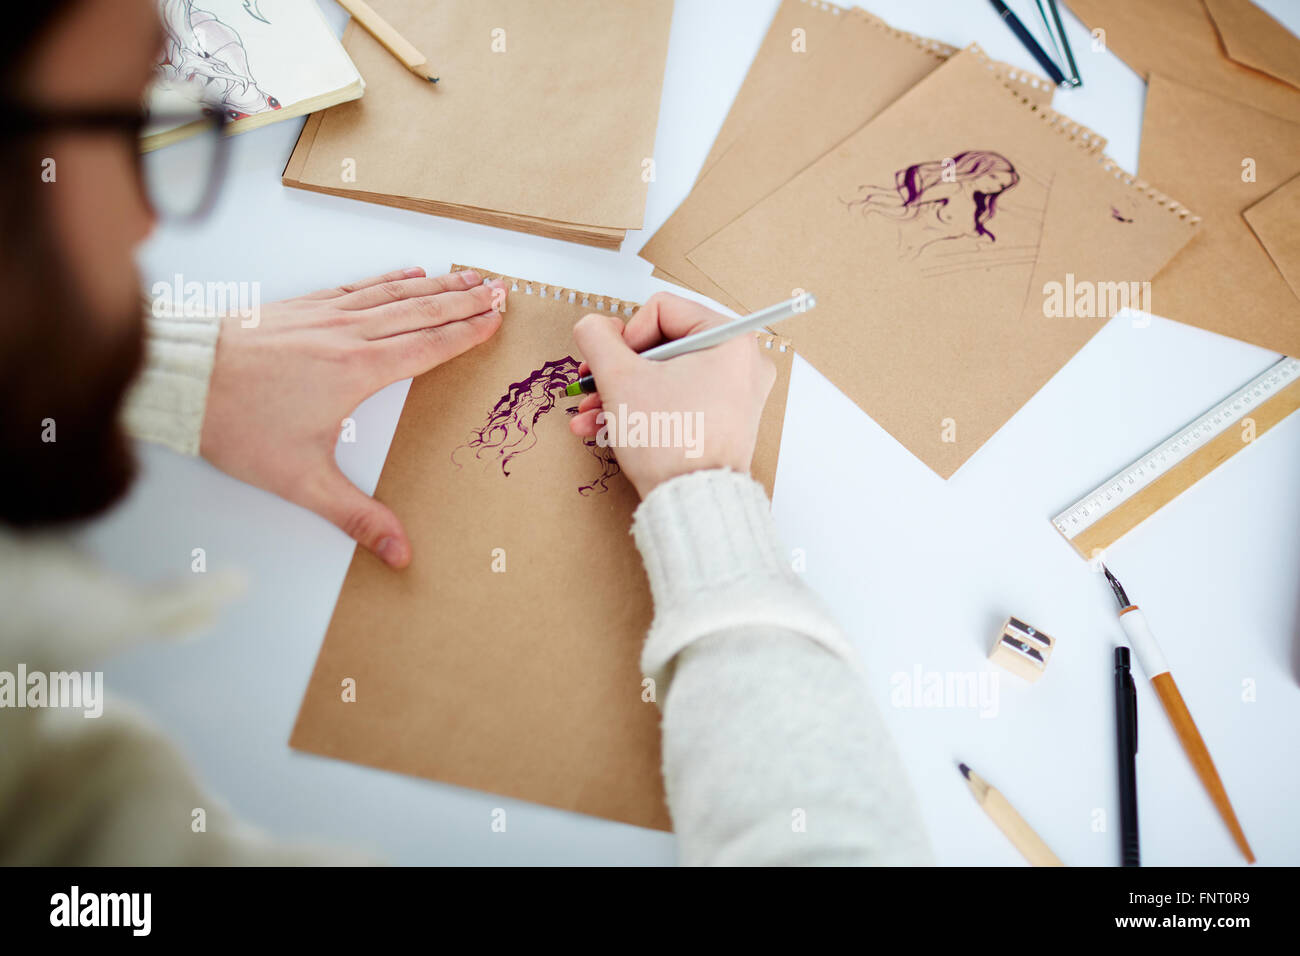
column 390, row 39
column 1157, row 671
column 1021, row 835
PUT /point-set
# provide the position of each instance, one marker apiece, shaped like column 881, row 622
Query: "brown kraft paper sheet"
column 1221, row 157
column 1275, row 220
column 1229, row 47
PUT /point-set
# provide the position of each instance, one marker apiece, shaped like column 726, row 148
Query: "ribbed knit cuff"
column 167, row 402
column 714, row 561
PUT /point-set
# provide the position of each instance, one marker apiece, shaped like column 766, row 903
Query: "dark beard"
column 64, row 366
column 69, row 387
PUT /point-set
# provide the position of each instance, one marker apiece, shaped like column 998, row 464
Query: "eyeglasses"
column 181, row 165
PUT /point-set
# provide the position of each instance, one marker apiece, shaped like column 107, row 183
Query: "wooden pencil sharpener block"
column 1022, row 649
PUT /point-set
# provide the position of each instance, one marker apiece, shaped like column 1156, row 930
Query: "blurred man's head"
column 71, row 214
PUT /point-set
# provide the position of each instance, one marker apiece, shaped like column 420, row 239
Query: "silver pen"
column 707, row 338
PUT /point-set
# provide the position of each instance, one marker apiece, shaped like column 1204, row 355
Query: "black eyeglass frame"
column 23, row 119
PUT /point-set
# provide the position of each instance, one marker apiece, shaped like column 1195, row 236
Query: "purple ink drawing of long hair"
column 603, row 454
column 511, row 426
column 970, row 183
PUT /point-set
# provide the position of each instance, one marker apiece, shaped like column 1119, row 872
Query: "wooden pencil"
column 390, row 39
column 1001, row 812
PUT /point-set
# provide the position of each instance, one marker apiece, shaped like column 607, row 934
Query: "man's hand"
column 725, row 387
column 281, row 390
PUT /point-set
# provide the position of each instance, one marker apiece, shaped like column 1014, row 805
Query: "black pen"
column 1126, row 741
column 1027, row 40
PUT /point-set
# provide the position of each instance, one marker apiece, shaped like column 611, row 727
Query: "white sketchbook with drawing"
column 260, row 61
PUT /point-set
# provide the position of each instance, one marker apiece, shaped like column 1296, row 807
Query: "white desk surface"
column 919, row 571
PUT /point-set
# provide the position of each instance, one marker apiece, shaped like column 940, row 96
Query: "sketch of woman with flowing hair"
column 511, row 427
column 204, row 58
column 953, row 198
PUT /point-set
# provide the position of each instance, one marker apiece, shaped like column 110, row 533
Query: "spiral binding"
column 771, row 340
column 587, row 300
column 936, row 48
column 593, row 302
column 827, row 7
column 1092, row 143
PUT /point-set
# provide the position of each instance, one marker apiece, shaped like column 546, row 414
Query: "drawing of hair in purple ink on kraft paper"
column 511, row 426
column 603, row 454
column 954, row 198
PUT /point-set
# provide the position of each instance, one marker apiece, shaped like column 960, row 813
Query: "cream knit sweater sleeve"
column 772, row 751
column 167, row 401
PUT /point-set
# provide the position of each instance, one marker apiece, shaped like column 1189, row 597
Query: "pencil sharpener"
column 1022, row 649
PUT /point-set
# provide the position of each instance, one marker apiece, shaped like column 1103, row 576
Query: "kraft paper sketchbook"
column 770, row 75
column 260, row 62
column 543, row 119
column 523, row 680
column 847, row 68
column 763, row 82
column 931, row 238
column 766, row 79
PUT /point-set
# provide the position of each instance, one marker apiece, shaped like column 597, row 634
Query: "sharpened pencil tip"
column 965, row 770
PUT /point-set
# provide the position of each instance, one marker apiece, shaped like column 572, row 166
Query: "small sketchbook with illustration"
column 259, row 61
column 505, row 658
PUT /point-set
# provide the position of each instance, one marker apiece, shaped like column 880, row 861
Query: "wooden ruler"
column 1126, row 499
